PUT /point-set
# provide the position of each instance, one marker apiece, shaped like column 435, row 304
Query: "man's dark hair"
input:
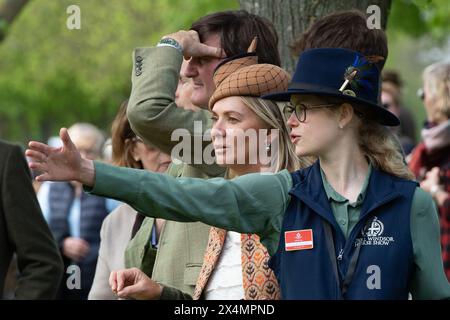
column 344, row 29
column 237, row 29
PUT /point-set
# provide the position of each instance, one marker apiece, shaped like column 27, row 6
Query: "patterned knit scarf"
column 259, row 281
column 437, row 137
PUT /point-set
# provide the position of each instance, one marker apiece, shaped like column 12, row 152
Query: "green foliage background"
column 51, row 76
column 418, row 34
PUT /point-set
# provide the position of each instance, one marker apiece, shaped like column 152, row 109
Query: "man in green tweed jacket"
column 154, row 116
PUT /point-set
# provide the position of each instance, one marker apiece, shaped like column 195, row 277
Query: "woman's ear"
column 132, row 149
column 345, row 115
column 271, row 139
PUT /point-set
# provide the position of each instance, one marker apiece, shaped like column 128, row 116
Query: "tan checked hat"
column 242, row 76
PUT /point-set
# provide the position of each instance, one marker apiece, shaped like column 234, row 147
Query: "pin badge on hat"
column 354, row 74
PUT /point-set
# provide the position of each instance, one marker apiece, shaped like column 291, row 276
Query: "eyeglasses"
column 300, row 110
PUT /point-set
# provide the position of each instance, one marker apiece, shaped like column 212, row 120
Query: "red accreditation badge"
column 298, row 240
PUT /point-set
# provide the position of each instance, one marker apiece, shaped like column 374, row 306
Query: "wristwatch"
column 169, row 42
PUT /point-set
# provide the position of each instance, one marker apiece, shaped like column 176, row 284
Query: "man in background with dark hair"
column 391, row 96
column 347, row 30
column 343, row 29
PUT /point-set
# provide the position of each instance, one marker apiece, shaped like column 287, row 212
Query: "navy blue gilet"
column 385, row 262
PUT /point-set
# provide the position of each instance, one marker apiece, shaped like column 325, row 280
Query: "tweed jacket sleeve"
column 152, row 111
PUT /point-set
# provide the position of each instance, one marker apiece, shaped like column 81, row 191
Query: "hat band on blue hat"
column 310, row 86
column 326, row 71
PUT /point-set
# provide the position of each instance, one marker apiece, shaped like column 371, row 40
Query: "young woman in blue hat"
column 352, row 226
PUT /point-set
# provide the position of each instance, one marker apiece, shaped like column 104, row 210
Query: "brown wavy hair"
column 123, row 140
column 342, row 29
column 383, row 149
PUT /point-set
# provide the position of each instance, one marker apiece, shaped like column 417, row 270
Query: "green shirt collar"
column 335, row 196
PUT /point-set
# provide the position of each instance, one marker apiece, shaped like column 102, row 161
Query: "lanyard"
column 353, row 261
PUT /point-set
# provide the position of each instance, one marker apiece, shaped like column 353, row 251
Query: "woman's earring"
column 267, row 146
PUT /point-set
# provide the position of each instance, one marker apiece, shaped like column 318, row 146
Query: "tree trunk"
column 292, row 17
column 8, row 12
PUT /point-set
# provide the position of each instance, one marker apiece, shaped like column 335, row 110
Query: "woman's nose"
column 217, row 131
column 292, row 122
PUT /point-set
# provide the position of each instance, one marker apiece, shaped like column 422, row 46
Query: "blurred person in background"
column 75, row 219
column 392, row 80
column 128, row 150
column 107, row 151
column 391, row 97
column 121, row 225
column 139, row 253
column 430, row 160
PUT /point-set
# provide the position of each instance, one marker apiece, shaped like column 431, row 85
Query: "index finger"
column 205, row 50
column 120, row 280
column 113, row 281
column 40, row 147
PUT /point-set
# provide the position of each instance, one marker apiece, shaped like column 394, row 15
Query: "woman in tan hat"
column 235, row 265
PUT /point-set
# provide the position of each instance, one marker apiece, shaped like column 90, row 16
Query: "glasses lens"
column 300, row 111
column 287, row 111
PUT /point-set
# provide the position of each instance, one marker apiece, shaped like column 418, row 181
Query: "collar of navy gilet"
column 308, row 187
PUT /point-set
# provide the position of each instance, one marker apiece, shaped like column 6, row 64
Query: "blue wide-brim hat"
column 340, row 73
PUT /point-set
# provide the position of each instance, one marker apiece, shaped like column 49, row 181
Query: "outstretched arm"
column 253, row 203
column 246, row 204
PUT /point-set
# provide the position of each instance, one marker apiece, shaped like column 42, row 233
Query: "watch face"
column 170, row 42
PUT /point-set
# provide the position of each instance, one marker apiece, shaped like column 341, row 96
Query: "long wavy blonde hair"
column 383, row 149
column 270, row 112
column 380, row 146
